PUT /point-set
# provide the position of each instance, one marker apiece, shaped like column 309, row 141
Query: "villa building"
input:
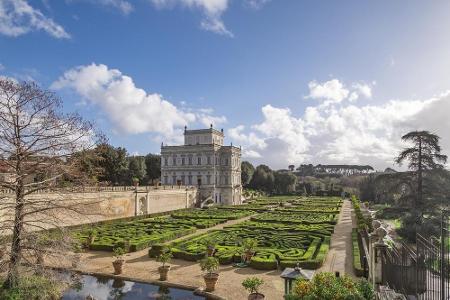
column 205, row 162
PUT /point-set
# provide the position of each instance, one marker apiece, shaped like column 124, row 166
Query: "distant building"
column 205, row 162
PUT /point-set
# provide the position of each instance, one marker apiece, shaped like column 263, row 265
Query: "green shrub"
column 252, row 284
column 266, row 262
column 326, row 286
column 356, row 254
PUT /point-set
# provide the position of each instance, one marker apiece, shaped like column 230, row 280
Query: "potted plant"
column 210, row 245
column 164, row 258
column 92, row 234
column 118, row 263
column 210, row 264
column 248, row 248
column 252, row 284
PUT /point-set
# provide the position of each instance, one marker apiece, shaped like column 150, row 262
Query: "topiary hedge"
column 356, row 250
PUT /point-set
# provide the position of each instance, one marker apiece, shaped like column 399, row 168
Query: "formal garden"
column 280, row 232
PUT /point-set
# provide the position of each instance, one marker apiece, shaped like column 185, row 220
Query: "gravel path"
column 340, row 257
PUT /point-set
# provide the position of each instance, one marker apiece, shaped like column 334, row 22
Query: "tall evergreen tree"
column 247, row 170
column 153, row 166
column 424, row 154
column 136, row 169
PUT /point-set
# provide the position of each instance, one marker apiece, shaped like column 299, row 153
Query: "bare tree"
column 39, row 147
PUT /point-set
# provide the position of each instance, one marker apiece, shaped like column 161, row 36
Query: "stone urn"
column 163, row 271
column 256, row 296
column 118, row 266
column 210, row 281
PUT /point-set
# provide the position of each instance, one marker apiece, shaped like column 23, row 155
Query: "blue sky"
column 292, row 81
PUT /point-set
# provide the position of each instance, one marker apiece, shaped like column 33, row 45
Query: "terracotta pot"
column 248, row 255
column 163, row 272
column 118, row 266
column 256, row 296
column 210, row 281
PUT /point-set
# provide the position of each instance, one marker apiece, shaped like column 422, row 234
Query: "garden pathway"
column 340, row 257
column 218, row 226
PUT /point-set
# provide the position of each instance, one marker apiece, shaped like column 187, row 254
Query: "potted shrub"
column 210, row 264
column 118, row 263
column 92, row 234
column 164, row 258
column 248, row 248
column 210, row 245
column 252, row 284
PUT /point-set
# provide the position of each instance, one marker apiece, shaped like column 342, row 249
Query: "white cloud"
column 368, row 134
column 237, row 135
column 334, row 91
column 130, row 108
column 207, row 120
column 17, row 17
column 256, row 4
column 212, row 10
column 123, row 6
column 2, row 67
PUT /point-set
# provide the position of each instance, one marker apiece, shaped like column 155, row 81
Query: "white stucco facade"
column 204, row 161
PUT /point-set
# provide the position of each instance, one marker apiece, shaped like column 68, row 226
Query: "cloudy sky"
column 292, row 81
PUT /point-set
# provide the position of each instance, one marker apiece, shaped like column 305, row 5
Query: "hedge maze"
column 289, row 230
column 143, row 233
column 286, row 235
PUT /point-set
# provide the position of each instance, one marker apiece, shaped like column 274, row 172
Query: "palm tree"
column 424, row 154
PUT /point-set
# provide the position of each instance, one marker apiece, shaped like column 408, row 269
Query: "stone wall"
column 94, row 206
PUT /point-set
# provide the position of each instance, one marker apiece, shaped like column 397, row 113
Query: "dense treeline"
column 280, row 182
column 113, row 166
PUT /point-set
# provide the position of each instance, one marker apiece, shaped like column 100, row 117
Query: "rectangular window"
column 166, row 179
column 209, row 160
column 208, row 179
column 166, row 162
column 190, row 160
column 199, row 160
column 174, row 161
column 182, row 161
column 226, row 161
column 226, row 180
column 190, row 179
column 182, row 179
column 174, row 180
